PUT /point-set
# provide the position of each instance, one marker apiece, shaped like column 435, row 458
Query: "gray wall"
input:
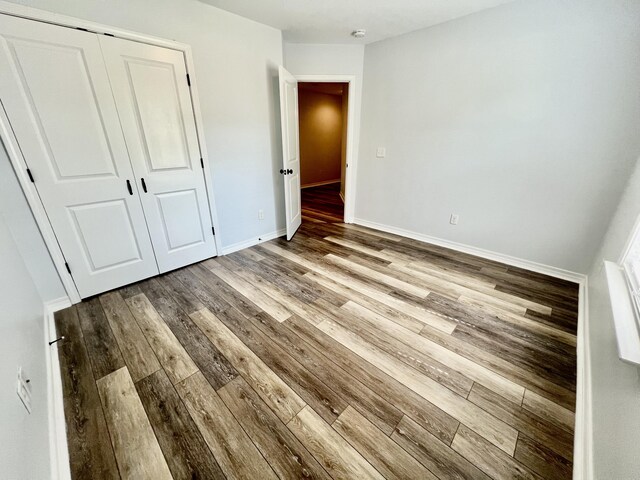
column 23, row 437
column 615, row 385
column 27, row 280
column 522, row 119
column 236, row 65
column 25, row 231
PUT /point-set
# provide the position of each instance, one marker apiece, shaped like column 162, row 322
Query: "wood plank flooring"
column 345, row 353
column 322, row 204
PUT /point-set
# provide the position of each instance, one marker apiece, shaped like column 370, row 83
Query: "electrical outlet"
column 260, row 214
column 23, row 389
column 454, row 219
column 381, row 152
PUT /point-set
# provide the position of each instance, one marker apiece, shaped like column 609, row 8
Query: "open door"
column 290, row 151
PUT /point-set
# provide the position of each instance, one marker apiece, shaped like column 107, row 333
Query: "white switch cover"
column 260, row 214
column 381, row 152
column 24, row 390
column 454, row 219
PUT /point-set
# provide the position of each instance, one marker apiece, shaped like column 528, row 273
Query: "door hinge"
column 213, row 229
column 188, row 80
column 202, row 163
column 30, row 176
column 68, row 267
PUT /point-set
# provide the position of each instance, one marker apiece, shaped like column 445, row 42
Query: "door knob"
column 282, row 171
column 289, row 171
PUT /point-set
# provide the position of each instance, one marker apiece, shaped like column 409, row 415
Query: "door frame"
column 351, row 160
column 20, row 165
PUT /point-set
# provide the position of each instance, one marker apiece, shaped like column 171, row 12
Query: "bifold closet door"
column 55, row 90
column 152, row 95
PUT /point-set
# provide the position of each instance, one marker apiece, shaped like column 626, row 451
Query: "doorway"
column 322, row 123
column 291, row 169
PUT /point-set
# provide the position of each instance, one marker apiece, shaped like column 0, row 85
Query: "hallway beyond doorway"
column 322, row 204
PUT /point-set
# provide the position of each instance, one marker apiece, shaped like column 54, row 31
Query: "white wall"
column 236, row 62
column 24, row 437
column 25, row 232
column 314, row 59
column 522, row 119
column 615, row 385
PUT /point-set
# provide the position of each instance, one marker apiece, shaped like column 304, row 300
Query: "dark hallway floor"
column 322, row 204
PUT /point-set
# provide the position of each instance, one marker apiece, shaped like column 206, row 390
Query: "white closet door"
column 56, row 93
column 152, row 96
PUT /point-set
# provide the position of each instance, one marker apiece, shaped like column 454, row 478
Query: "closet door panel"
column 150, row 86
column 56, row 93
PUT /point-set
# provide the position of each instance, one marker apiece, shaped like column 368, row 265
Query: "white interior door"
column 56, row 93
column 152, row 96
column 290, row 151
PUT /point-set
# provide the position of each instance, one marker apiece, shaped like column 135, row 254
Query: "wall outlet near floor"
column 23, row 388
column 454, row 219
column 260, row 214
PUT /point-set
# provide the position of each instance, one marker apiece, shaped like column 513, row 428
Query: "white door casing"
column 152, row 95
column 290, row 151
column 56, row 92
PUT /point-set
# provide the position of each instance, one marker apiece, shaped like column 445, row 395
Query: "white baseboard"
column 319, row 184
column 254, row 241
column 57, row 304
column 58, row 450
column 583, row 432
column 478, row 252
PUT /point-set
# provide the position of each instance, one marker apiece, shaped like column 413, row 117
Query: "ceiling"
column 332, row 21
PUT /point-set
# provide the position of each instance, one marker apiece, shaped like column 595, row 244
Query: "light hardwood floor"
column 345, row 353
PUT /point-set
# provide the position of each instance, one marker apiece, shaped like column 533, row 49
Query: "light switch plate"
column 24, row 390
column 381, row 152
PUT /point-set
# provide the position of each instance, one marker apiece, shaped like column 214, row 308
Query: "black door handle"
column 129, row 187
column 282, row 172
column 289, row 171
column 144, row 185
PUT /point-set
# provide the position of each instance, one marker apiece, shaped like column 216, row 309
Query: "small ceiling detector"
column 360, row 33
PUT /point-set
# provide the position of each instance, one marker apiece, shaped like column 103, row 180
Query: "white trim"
column 351, row 160
column 19, row 163
column 197, row 113
column 58, row 450
column 250, row 243
column 624, row 317
column 478, row 252
column 57, row 304
column 583, row 432
column 33, row 199
column 635, row 233
column 319, row 184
